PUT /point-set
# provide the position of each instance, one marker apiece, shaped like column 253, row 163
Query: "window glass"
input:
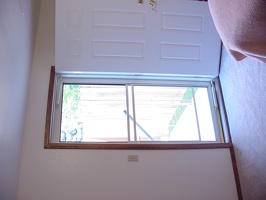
column 93, row 113
column 204, row 115
column 135, row 113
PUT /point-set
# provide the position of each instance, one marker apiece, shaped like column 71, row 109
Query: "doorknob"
column 152, row 3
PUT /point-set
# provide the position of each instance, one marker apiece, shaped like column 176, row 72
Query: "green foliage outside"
column 71, row 126
column 71, row 102
column 188, row 95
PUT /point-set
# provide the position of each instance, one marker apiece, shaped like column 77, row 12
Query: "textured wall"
column 17, row 37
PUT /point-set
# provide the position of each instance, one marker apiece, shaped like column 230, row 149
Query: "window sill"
column 137, row 146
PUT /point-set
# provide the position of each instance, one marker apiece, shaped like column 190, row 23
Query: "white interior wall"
column 17, row 36
column 105, row 174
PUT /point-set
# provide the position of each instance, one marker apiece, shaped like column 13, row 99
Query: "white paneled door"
column 171, row 37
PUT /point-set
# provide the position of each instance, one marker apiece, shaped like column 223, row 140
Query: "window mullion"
column 196, row 113
column 128, row 121
column 134, row 112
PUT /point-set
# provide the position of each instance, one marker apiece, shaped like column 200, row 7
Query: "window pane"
column 184, row 125
column 204, row 115
column 158, row 111
column 94, row 113
column 99, row 113
column 168, row 114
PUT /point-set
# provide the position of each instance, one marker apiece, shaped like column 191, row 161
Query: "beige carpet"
column 244, row 90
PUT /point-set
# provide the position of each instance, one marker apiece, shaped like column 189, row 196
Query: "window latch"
column 214, row 98
column 59, row 91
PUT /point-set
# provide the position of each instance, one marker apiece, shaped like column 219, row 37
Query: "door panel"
column 177, row 37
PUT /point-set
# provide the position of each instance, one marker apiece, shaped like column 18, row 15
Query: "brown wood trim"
column 47, row 134
column 137, row 146
column 118, row 146
column 237, row 180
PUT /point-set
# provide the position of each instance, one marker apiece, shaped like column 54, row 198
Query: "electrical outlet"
column 132, row 158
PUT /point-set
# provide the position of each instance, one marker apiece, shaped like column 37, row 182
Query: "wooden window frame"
column 48, row 144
